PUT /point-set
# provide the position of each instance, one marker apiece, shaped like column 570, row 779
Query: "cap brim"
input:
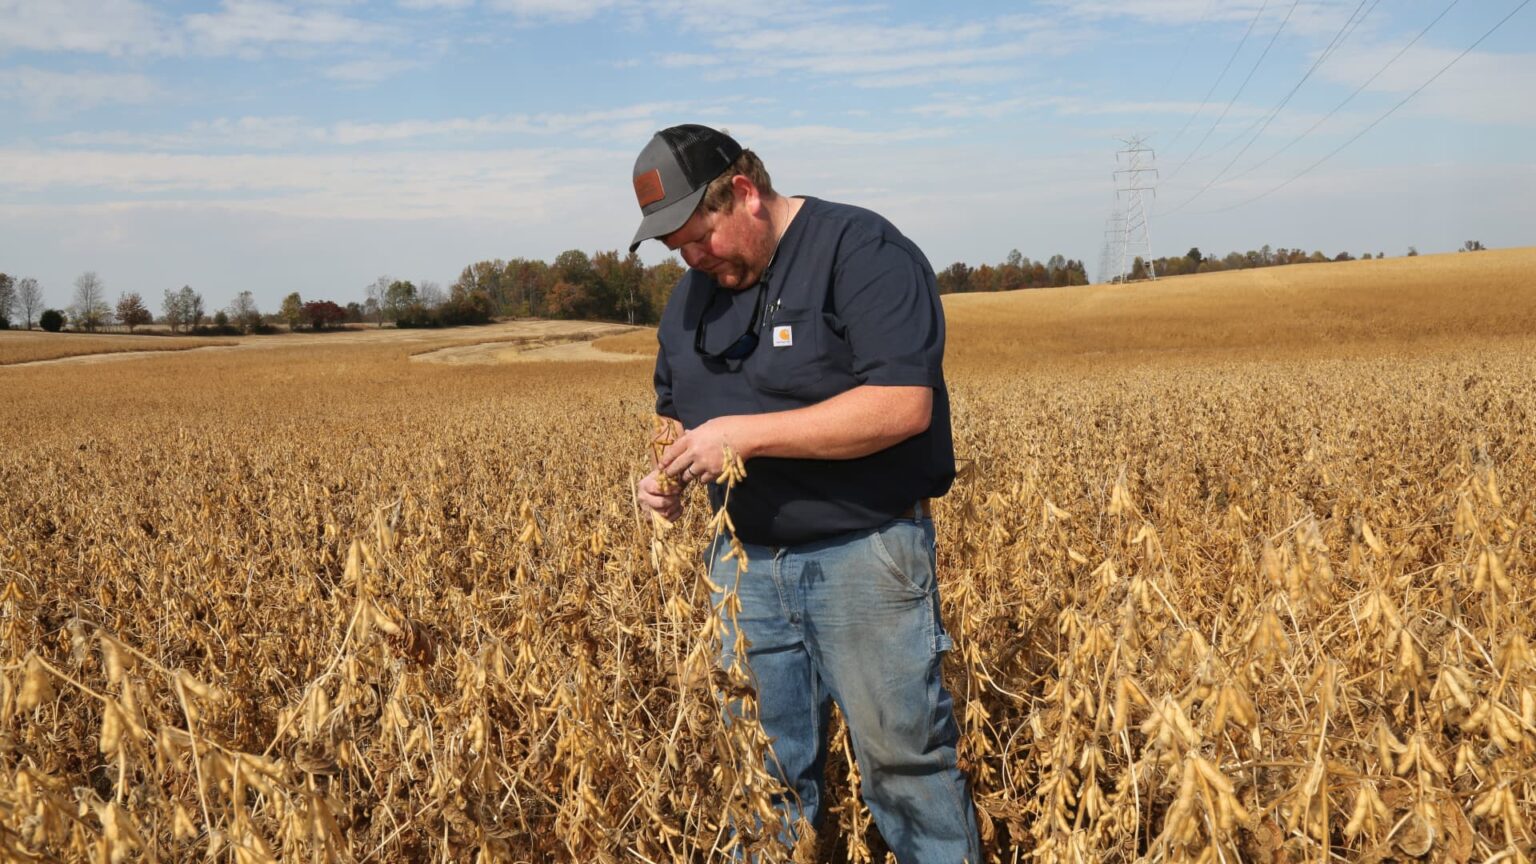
column 669, row 218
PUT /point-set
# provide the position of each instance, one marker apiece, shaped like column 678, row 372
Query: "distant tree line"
column 1013, row 273
column 407, row 304
column 603, row 285
column 1195, row 261
column 615, row 287
column 182, row 310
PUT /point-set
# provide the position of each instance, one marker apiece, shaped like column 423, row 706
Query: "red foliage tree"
column 568, row 300
column 320, row 314
column 131, row 312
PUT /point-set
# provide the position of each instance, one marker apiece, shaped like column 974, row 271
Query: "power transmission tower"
column 1114, row 242
column 1131, row 182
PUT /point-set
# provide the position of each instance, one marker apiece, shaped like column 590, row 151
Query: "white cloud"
column 510, row 185
column 258, row 133
column 812, row 137
column 133, row 28
column 115, row 27
column 757, row 16
column 965, row 107
column 559, row 11
column 1307, row 17
column 48, row 93
column 619, row 125
column 879, row 55
column 369, row 71
column 1477, row 89
column 615, row 125
column 435, row 4
column 247, row 26
column 1158, row 11
column 940, row 75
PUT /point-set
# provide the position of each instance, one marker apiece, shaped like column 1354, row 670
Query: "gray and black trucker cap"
column 672, row 173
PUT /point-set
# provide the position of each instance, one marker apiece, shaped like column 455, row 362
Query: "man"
column 808, row 337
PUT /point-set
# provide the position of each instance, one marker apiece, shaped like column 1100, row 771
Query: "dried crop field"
column 22, row 346
column 1235, row 571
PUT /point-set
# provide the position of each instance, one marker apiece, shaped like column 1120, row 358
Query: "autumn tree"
column 464, row 306
column 488, row 278
column 29, row 297
column 243, row 312
column 955, row 279
column 192, row 313
column 657, row 284
column 170, row 309
column 292, row 311
column 430, row 294
column 321, row 314
column 7, row 299
column 131, row 311
column 573, row 266
column 568, row 300
column 399, row 297
column 616, row 283
column 375, row 297
column 90, row 310
column 524, row 284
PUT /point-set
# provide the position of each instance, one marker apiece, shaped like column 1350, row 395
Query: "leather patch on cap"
column 648, row 187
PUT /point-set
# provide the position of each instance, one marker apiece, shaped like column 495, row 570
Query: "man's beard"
column 752, row 266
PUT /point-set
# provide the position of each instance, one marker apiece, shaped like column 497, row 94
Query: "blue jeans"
column 856, row 619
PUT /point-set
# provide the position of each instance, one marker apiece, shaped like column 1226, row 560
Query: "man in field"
column 808, row 337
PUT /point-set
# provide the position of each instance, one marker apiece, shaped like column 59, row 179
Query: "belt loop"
column 917, row 510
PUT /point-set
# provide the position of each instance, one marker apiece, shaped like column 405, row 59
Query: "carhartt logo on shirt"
column 783, row 336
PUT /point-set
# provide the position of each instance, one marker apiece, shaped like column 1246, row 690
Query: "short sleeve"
column 885, row 297
column 663, row 381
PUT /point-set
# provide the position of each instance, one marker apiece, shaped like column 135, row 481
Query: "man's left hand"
column 699, row 454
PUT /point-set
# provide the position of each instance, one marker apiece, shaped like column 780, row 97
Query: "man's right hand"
column 669, row 504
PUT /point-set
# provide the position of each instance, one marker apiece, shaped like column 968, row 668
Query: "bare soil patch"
column 556, row 341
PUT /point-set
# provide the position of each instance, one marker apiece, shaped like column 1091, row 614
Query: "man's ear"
column 745, row 192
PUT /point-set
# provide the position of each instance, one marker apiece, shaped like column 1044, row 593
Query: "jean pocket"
column 906, row 553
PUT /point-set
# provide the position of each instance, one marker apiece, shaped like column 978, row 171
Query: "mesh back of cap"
column 702, row 152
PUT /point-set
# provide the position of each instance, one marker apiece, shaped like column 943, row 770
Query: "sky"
column 277, row 146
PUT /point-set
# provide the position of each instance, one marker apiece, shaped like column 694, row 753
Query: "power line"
column 1338, row 39
column 1350, row 98
column 1194, row 33
column 1223, row 75
column 1357, row 24
column 1240, row 89
column 1327, row 52
column 1389, row 113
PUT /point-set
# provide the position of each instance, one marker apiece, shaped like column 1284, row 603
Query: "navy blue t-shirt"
column 849, row 301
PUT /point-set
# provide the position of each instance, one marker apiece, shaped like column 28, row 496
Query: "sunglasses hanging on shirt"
column 746, row 343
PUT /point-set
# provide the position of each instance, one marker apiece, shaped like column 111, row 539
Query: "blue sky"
column 278, row 146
